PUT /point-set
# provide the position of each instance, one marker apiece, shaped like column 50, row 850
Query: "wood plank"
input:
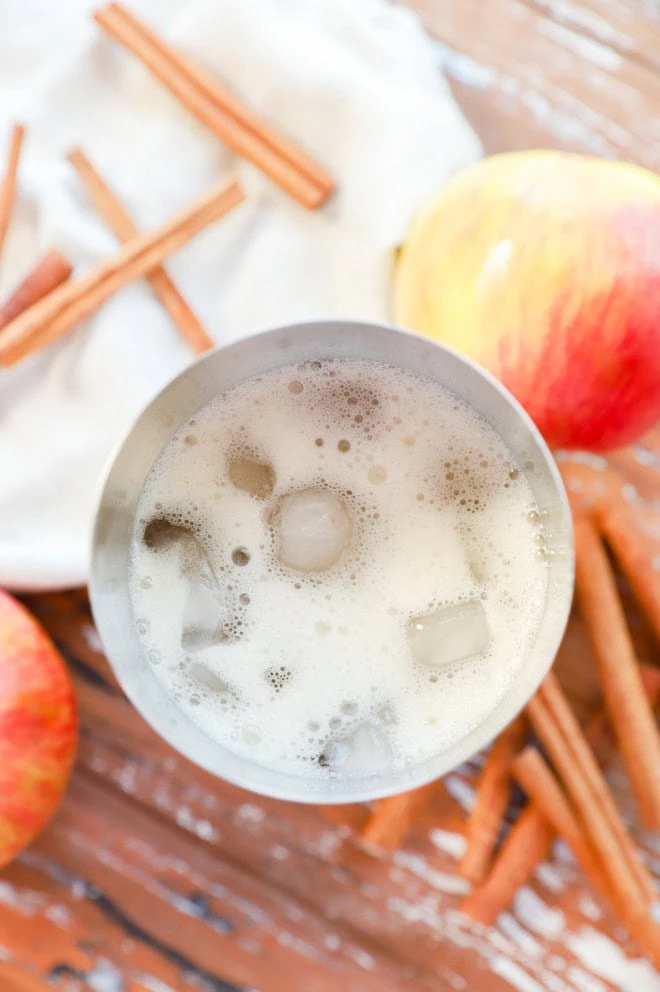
column 629, row 27
column 543, row 83
column 109, row 887
column 401, row 906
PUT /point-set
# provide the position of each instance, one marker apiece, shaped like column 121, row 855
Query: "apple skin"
column 544, row 267
column 38, row 728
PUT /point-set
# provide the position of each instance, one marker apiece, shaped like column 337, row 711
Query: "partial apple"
column 38, row 728
column 544, row 267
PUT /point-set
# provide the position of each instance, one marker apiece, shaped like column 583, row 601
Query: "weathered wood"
column 154, row 876
column 528, row 78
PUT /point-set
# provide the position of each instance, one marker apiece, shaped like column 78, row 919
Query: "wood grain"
column 155, row 877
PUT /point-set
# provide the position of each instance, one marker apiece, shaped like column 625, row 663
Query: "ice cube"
column 252, row 476
column 208, row 679
column 449, row 634
column 203, row 612
column 365, row 752
column 313, row 529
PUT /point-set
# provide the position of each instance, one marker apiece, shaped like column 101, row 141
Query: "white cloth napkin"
column 358, row 84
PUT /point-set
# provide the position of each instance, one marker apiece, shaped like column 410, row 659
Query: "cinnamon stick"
column 8, row 187
column 493, row 792
column 541, row 785
column 203, row 96
column 623, row 689
column 543, row 789
column 47, row 275
column 528, row 841
column 120, row 221
column 388, row 824
column 563, row 739
column 627, row 544
column 526, row 845
column 61, row 310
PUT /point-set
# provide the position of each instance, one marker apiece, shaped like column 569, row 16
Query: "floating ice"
column 449, row 634
column 365, row 752
column 202, row 623
column 313, row 529
column 208, row 679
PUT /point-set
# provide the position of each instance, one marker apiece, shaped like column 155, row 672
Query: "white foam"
column 439, row 515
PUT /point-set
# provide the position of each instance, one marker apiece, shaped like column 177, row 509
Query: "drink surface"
column 337, row 569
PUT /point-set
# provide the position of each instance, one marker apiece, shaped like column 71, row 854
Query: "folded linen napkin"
column 358, row 85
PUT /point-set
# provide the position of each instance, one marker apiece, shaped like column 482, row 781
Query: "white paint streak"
column 449, row 843
column 650, row 459
column 249, row 813
column 279, row 853
column 563, row 852
column 462, row 792
column 512, row 928
column 515, row 975
column 362, row 958
column 585, row 20
column 59, row 915
column 550, row 877
column 605, row 958
column 416, row 864
column 589, row 908
column 599, row 55
column 457, row 982
column 204, row 829
column 536, row 914
column 596, row 462
column 583, row 981
column 5, row 954
column 464, row 69
column 125, row 777
column 104, row 977
column 287, row 939
column 326, row 845
column 20, row 900
column 151, row 983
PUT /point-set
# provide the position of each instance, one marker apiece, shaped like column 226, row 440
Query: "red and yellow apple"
column 544, row 267
column 37, row 727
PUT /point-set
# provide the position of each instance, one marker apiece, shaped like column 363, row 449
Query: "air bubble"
column 252, row 735
column 240, row 556
column 377, row 474
column 344, row 446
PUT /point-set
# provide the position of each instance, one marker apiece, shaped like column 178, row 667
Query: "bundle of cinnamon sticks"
column 46, row 306
column 567, row 794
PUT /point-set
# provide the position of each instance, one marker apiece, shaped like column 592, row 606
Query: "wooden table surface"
column 156, row 877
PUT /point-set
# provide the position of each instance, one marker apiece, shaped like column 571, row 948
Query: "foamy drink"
column 337, row 569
